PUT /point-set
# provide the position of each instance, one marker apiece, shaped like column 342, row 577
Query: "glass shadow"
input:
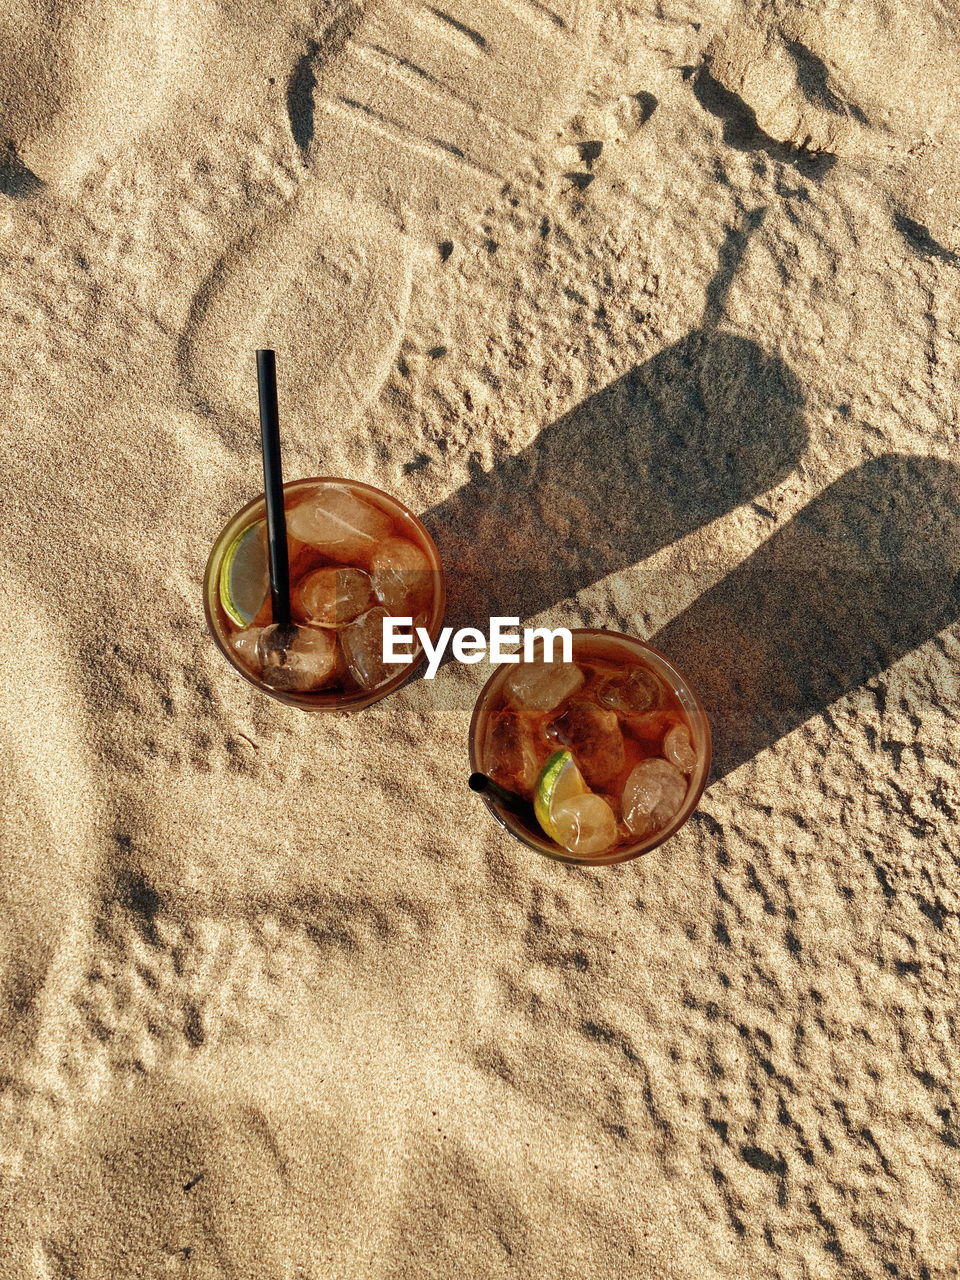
column 708, row 423
column 866, row 573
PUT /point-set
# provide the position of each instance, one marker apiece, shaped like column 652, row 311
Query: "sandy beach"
column 649, row 309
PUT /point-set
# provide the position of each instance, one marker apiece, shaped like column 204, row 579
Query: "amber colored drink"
column 356, row 556
column 636, row 731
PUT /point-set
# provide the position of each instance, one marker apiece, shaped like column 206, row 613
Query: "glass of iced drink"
column 357, row 556
column 608, row 754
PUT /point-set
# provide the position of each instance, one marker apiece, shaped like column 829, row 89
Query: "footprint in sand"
column 776, row 95
column 201, row 1182
column 84, row 84
column 402, row 113
column 415, row 110
column 78, row 82
column 426, row 108
column 46, row 816
column 325, row 289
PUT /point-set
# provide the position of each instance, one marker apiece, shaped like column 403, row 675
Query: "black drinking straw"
column 508, row 800
column 273, row 487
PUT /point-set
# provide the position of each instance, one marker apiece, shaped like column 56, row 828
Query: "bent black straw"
column 506, row 799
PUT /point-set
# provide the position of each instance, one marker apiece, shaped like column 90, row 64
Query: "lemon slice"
column 560, row 780
column 244, row 575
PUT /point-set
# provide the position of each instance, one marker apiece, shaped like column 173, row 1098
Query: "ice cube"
column 634, row 691
column 402, row 577
column 297, row 659
column 585, row 824
column 362, row 642
column 678, row 748
column 339, row 524
column 653, row 795
column 332, row 597
column 541, row 686
column 594, row 737
column 245, row 645
column 509, row 754
column 649, row 729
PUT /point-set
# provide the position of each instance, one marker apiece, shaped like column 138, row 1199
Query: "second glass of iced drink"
column 606, row 756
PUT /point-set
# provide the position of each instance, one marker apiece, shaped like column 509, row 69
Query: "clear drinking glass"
column 615, row 652
column 421, row 588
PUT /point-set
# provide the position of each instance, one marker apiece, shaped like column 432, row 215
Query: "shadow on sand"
column 861, row 577
column 708, row 423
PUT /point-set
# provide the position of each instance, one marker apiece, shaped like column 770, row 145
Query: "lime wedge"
column 560, row 780
column 244, row 575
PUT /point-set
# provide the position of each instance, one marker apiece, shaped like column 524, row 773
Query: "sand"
column 651, row 311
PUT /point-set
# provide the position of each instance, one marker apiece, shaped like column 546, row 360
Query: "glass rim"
column 624, row 853
column 314, row 701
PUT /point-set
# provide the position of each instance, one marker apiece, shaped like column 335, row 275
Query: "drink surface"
column 356, row 556
column 637, row 737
